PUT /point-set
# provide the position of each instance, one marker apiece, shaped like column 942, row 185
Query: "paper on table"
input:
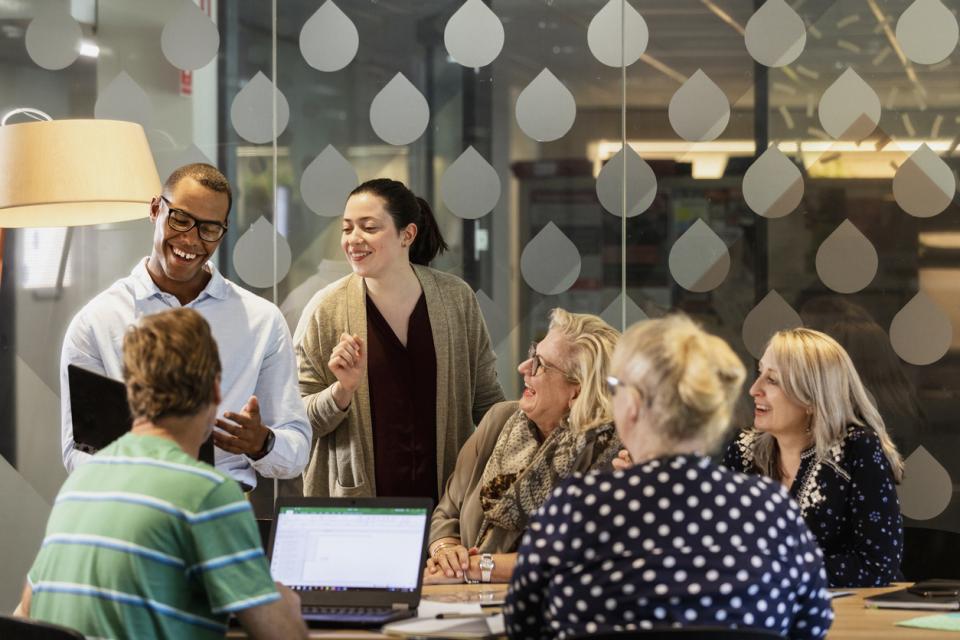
column 486, row 627
column 941, row 621
column 432, row 608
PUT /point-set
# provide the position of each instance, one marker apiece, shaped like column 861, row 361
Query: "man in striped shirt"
column 145, row 541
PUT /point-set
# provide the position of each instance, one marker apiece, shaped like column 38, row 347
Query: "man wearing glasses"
column 262, row 425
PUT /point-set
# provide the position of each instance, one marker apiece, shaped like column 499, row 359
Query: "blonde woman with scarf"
column 562, row 424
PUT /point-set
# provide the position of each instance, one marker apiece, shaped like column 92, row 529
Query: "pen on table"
column 451, row 616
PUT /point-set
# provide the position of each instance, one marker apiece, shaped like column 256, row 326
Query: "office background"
column 787, row 162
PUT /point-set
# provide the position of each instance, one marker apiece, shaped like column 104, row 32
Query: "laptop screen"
column 341, row 548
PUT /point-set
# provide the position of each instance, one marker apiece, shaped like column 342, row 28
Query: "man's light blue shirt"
column 255, row 352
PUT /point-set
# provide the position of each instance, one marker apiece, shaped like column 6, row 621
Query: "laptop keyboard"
column 347, row 614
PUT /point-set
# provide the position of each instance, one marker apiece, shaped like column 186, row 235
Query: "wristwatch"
column 267, row 445
column 486, row 567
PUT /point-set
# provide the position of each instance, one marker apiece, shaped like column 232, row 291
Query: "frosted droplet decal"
column 924, row 184
column 641, row 184
column 53, row 38
column 494, row 317
column 771, row 314
column 252, row 110
column 604, row 34
column 326, row 183
column 775, row 34
column 613, row 314
column 699, row 111
column 849, row 108
column 474, row 34
column 926, row 489
column 470, row 187
column 847, row 260
column 927, row 31
column 550, row 262
column 399, row 113
column 172, row 159
column 123, row 99
column 546, row 108
column 253, row 255
column 773, row 185
column 329, row 40
column 699, row 260
column 190, row 39
column 921, row 332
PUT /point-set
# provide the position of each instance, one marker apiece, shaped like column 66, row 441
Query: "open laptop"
column 355, row 562
column 100, row 412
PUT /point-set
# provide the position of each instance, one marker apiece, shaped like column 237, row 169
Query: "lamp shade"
column 65, row 173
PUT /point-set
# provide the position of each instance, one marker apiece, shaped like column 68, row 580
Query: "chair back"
column 930, row 553
column 24, row 629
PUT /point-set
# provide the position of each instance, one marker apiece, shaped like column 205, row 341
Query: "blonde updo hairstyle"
column 817, row 373
column 588, row 346
column 688, row 379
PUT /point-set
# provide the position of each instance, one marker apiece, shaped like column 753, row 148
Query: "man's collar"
column 144, row 287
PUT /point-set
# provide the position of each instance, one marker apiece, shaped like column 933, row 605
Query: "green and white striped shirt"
column 146, row 542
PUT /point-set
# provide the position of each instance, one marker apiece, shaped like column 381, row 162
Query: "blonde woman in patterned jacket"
column 817, row 432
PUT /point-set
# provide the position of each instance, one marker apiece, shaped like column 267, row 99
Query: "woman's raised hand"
column 348, row 362
column 623, row 460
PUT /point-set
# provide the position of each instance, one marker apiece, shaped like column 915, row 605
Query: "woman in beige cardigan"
column 562, row 424
column 395, row 360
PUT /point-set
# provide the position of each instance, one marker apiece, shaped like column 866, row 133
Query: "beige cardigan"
column 341, row 463
column 459, row 514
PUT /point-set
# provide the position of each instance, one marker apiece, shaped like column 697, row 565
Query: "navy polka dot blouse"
column 677, row 541
column 850, row 503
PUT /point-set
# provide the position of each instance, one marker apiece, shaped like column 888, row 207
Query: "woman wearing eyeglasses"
column 562, row 424
column 676, row 539
column 395, row 360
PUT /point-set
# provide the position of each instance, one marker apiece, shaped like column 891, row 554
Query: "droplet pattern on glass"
column 775, row 34
column 699, row 260
column 124, row 99
column 847, row 261
column 926, row 489
column 850, row 108
column 771, row 314
column 474, row 35
column 550, row 263
column 924, row 184
column 613, row 314
column 53, row 39
column 493, row 316
column 172, row 159
column 253, row 255
column 190, row 39
column 604, row 34
column 773, row 185
column 921, row 332
column 699, row 110
column 545, row 108
column 927, row 31
column 252, row 110
column 326, row 183
column 470, row 187
column 641, row 184
column 399, row 113
column 329, row 40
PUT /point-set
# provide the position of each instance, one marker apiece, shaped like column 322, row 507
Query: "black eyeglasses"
column 180, row 220
column 538, row 362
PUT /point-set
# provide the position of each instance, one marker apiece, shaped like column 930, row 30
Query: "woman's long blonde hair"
column 689, row 379
column 589, row 346
column 816, row 372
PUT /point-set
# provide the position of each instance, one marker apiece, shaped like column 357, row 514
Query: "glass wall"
column 786, row 163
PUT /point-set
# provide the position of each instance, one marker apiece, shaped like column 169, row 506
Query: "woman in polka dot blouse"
column 675, row 539
column 817, row 432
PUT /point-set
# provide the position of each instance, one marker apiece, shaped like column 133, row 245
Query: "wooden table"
column 852, row 622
